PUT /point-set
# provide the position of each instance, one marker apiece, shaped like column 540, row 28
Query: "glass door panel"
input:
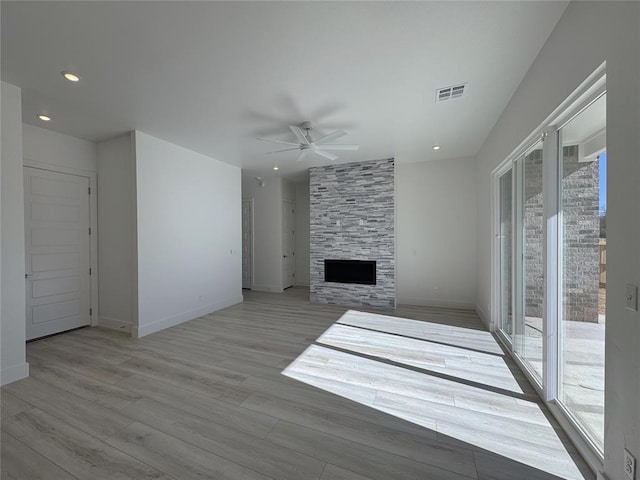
column 506, row 254
column 529, row 251
column 583, row 246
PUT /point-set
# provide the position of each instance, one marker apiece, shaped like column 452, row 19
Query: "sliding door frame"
column 567, row 416
column 550, row 132
column 551, row 179
column 497, row 258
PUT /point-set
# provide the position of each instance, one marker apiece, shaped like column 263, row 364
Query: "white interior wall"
column 436, row 233
column 116, row 233
column 189, row 234
column 570, row 55
column 53, row 149
column 267, row 231
column 288, row 190
column 13, row 365
column 302, row 233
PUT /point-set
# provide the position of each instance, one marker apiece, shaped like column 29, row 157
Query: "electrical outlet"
column 629, row 465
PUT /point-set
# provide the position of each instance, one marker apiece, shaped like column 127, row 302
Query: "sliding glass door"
column 529, row 280
column 551, row 263
column 505, row 237
column 583, row 269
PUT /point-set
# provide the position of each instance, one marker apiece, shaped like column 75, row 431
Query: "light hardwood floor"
column 278, row 388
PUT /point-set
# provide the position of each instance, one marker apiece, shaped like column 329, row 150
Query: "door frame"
column 93, row 224
column 252, row 263
column 496, row 265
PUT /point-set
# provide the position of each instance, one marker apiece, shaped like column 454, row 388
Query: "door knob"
column 28, row 275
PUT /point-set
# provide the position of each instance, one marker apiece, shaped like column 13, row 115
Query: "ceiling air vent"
column 449, row 93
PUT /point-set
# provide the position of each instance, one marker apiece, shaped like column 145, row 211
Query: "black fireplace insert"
column 350, row 271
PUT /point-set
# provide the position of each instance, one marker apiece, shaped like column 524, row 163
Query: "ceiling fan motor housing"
column 308, row 145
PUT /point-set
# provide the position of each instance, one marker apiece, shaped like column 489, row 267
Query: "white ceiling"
column 211, row 76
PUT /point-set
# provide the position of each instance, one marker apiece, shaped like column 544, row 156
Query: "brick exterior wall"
column 580, row 234
column 533, row 232
column 580, row 237
column 352, row 217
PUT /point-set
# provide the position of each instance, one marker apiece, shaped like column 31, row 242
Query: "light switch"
column 631, row 297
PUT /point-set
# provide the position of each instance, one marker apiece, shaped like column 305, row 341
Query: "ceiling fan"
column 308, row 145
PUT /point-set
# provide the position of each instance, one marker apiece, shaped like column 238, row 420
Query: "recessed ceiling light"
column 72, row 77
column 436, row 147
column 276, row 168
column 44, row 118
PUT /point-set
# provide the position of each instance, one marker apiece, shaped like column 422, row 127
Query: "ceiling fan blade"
column 278, row 141
column 330, row 136
column 297, row 131
column 304, row 154
column 284, row 150
column 337, row 147
column 324, row 154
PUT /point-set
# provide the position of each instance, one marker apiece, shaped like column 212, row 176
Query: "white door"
column 56, row 251
column 288, row 245
column 247, row 242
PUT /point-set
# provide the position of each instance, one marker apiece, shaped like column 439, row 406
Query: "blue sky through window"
column 602, row 165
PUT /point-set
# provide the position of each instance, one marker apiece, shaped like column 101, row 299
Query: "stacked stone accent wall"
column 352, row 217
column 580, row 233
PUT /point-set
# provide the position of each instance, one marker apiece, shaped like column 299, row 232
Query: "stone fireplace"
column 352, row 233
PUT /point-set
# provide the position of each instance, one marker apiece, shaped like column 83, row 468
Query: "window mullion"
column 551, row 300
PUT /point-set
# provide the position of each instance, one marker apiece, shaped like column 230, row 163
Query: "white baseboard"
column 485, row 318
column 431, row 302
column 267, row 288
column 158, row 325
column 114, row 324
column 14, row 373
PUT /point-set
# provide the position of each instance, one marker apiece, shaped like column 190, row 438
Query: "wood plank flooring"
column 278, row 388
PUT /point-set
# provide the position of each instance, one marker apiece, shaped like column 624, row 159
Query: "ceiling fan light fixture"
column 44, row 118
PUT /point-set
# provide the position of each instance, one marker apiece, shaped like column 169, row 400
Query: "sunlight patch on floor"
column 470, row 338
column 477, row 367
column 474, row 401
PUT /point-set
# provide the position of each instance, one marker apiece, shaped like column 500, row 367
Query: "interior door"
column 288, row 244
column 57, row 254
column 247, row 242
